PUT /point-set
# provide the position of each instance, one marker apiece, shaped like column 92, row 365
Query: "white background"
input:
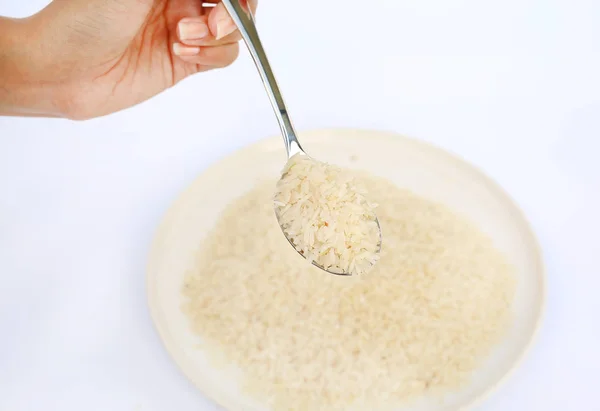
column 512, row 86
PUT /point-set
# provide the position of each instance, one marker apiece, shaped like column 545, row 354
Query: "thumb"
column 177, row 10
column 219, row 21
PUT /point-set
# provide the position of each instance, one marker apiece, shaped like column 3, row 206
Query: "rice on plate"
column 421, row 322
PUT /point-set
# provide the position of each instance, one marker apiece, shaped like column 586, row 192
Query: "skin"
column 81, row 59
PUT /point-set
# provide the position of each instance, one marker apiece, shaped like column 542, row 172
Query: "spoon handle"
column 242, row 16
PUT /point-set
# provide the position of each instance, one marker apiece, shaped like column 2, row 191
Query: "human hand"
column 87, row 58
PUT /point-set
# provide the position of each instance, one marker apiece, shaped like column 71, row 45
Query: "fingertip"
column 220, row 23
column 212, row 19
column 183, row 50
column 216, row 57
column 192, row 29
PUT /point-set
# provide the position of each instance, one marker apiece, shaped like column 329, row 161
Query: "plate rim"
column 262, row 144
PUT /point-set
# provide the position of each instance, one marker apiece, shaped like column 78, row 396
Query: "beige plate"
column 424, row 169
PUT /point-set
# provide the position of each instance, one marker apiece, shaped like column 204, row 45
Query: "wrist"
column 24, row 89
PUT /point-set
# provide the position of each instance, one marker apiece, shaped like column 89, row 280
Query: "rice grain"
column 426, row 316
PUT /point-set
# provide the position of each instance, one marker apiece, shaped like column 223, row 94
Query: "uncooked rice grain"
column 324, row 212
column 427, row 315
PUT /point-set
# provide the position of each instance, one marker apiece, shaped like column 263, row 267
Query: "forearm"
column 21, row 93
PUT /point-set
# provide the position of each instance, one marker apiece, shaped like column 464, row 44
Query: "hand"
column 88, row 58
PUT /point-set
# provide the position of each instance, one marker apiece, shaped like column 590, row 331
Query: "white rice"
column 421, row 322
column 325, row 214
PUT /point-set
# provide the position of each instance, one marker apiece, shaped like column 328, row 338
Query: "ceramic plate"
column 426, row 170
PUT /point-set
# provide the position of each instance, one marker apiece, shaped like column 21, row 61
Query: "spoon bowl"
column 329, row 270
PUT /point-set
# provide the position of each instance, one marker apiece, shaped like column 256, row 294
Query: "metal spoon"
column 243, row 18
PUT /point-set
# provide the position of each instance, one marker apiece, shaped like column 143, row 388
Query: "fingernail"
column 192, row 29
column 181, row 50
column 225, row 27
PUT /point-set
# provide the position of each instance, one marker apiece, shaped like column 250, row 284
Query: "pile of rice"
column 324, row 213
column 421, row 322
